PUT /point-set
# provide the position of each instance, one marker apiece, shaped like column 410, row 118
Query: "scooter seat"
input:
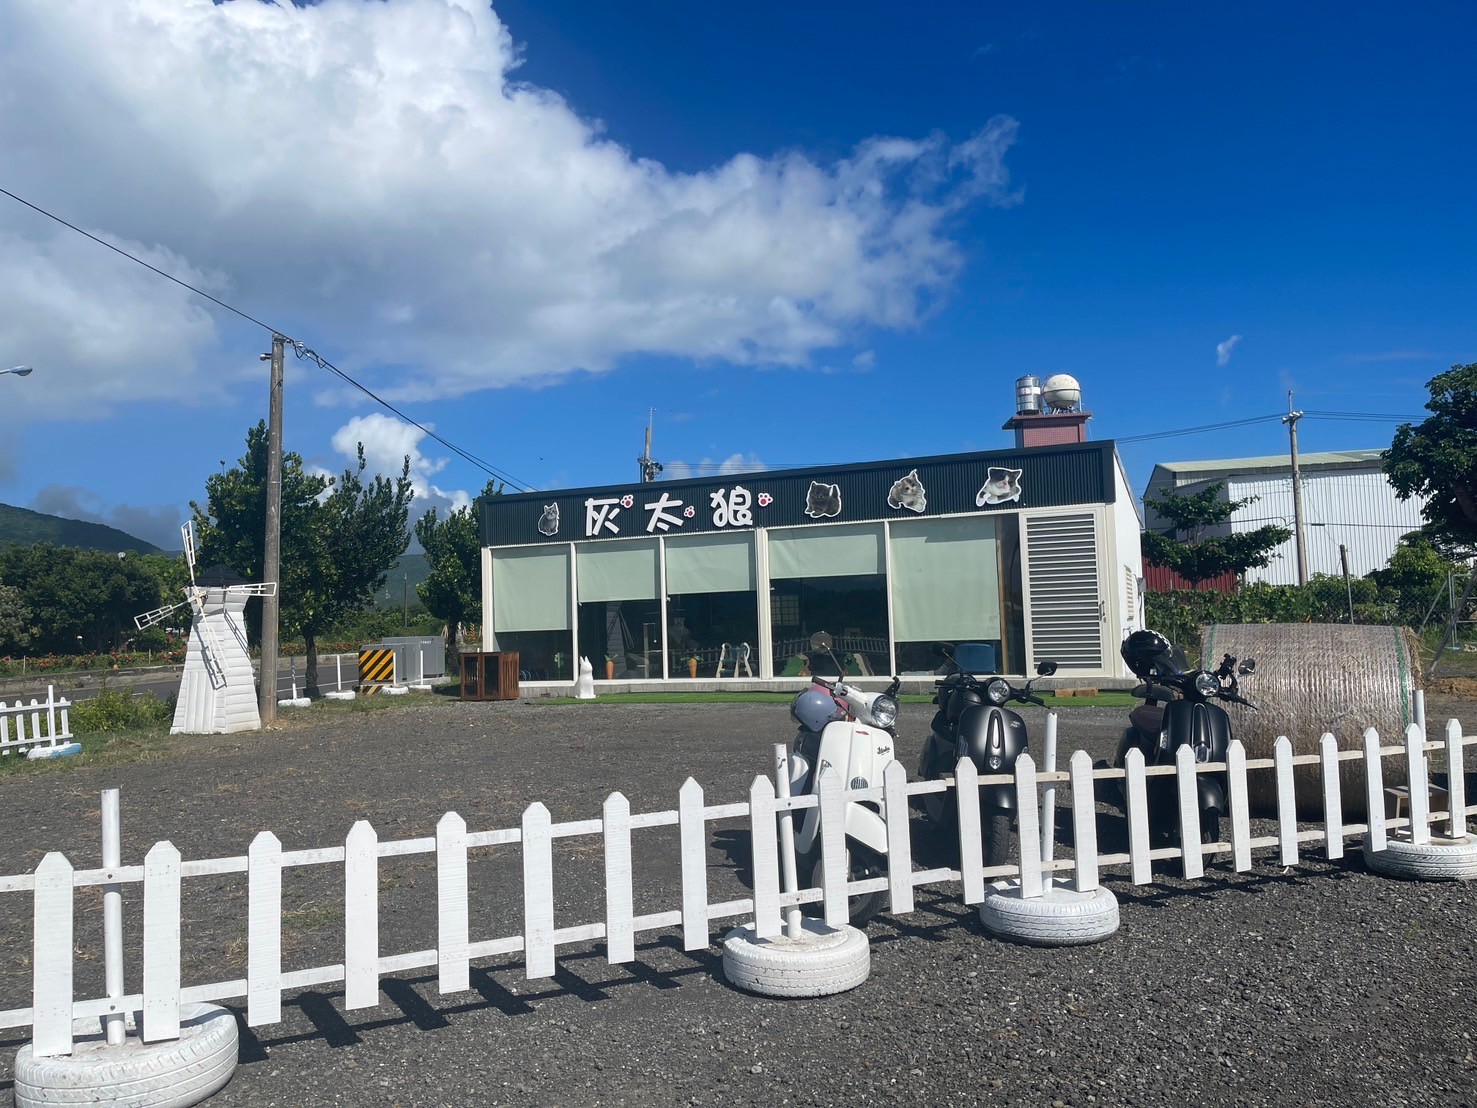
column 1148, row 718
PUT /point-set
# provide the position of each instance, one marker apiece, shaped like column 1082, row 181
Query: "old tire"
column 1438, row 860
column 172, row 1074
column 1060, row 916
column 822, row 962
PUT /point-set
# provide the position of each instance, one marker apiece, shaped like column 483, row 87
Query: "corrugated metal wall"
column 1356, row 508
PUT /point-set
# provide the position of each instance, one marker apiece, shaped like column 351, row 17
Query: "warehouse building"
column 1347, row 502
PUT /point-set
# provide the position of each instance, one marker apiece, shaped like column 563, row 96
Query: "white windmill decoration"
column 217, row 692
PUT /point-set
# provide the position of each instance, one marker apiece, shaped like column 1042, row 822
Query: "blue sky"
column 528, row 226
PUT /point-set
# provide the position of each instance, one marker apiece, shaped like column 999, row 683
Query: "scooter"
column 973, row 722
column 1178, row 710
column 853, row 732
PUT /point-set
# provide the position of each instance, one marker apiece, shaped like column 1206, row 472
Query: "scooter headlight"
column 884, row 711
column 998, row 691
column 1207, row 684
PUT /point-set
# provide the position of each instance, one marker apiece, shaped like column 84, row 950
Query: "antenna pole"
column 649, row 467
column 272, row 548
column 1291, row 419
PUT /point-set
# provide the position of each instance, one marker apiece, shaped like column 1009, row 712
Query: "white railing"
column 333, row 675
column 43, row 734
column 54, row 883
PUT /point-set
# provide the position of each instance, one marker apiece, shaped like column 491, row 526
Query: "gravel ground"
column 1323, row 985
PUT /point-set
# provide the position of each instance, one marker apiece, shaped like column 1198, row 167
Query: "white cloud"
column 711, row 467
column 867, row 359
column 387, row 443
column 1223, row 350
column 374, row 174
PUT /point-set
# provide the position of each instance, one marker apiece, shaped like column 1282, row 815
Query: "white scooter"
column 852, row 732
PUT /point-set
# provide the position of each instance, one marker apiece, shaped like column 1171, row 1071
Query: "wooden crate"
column 490, row 676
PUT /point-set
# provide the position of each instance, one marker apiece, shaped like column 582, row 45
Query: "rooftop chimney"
column 1048, row 414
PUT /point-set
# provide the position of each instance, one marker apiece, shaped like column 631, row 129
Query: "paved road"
column 1321, row 985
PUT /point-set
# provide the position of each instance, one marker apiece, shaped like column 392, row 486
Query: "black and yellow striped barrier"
column 376, row 669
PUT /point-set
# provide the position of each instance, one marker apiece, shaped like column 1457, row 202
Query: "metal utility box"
column 490, row 676
column 418, row 658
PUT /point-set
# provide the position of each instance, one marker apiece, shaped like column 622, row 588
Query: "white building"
column 1347, row 500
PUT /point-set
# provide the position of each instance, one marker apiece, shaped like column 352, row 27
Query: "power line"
column 1198, row 430
column 299, row 348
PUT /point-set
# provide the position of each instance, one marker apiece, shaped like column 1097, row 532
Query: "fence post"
column 51, row 958
column 1084, row 822
column 971, row 844
column 361, row 917
column 161, row 944
column 620, row 935
column 1240, row 806
column 263, row 930
column 1456, row 780
column 1418, row 781
column 538, row 893
column 1136, row 800
column 1374, row 789
column 764, row 852
column 790, row 881
column 899, row 840
column 694, row 840
column 1048, row 799
column 452, row 934
column 1028, row 816
column 834, row 875
column 1333, row 801
column 1287, row 811
column 1187, row 788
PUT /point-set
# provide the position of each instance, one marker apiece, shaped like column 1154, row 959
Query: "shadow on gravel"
column 581, row 974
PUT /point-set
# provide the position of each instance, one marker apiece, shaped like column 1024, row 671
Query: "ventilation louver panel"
column 1066, row 614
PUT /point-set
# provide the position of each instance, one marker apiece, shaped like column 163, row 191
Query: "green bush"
column 120, row 710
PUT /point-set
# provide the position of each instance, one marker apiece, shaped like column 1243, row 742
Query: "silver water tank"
column 1027, row 395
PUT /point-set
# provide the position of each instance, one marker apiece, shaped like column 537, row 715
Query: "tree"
column 453, row 546
column 79, row 600
column 1438, row 460
column 15, row 621
column 1415, row 575
column 336, row 548
column 1199, row 557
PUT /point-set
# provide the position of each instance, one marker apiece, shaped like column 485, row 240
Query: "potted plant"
column 692, row 667
column 609, row 667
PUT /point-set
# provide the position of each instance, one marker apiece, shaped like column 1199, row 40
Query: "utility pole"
column 1348, row 586
column 1291, row 419
column 649, row 466
column 272, row 548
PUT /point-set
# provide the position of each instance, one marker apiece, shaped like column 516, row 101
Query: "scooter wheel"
column 823, row 961
column 1438, row 860
column 1060, row 916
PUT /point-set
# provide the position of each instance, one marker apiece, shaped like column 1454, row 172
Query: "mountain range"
column 26, row 527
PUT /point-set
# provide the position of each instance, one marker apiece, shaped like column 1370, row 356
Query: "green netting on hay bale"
column 1313, row 678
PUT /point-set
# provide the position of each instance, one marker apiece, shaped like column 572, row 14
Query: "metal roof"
column 1359, row 458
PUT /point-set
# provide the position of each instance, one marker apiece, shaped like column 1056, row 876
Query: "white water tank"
column 1062, row 393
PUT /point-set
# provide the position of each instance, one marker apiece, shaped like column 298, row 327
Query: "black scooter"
column 1179, row 709
column 974, row 722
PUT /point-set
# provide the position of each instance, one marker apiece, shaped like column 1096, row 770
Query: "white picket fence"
column 161, row 992
column 42, row 733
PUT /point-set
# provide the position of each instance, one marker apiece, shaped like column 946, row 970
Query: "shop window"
column 619, row 613
column 531, row 610
column 829, row 579
column 957, row 581
column 712, row 608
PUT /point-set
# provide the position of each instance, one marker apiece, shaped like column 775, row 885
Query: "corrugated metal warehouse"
column 1346, row 500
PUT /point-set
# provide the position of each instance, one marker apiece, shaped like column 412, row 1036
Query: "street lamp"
column 18, row 370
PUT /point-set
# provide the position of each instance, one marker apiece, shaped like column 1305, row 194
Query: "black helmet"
column 1147, row 652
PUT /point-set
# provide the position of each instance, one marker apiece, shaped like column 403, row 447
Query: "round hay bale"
column 1313, row 678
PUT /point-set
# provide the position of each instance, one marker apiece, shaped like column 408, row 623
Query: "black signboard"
column 910, row 488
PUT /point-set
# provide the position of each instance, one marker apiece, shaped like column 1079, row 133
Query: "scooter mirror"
column 820, row 641
column 1045, row 669
column 1248, row 666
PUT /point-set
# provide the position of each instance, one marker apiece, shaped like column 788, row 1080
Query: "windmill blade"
column 148, row 619
column 187, row 532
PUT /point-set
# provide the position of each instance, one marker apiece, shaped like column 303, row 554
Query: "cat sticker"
column 823, row 501
column 548, row 523
column 908, row 492
column 1000, row 485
